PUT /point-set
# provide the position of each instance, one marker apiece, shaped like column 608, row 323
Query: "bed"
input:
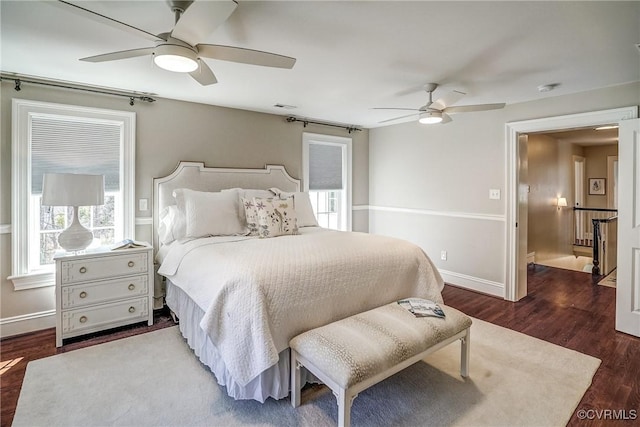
column 241, row 297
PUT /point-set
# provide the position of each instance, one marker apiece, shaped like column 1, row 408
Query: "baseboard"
column 477, row 284
column 25, row 323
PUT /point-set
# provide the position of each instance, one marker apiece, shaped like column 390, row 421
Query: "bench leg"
column 464, row 353
column 295, row 379
column 344, row 408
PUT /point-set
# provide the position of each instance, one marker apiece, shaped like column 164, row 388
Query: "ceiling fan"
column 438, row 111
column 179, row 50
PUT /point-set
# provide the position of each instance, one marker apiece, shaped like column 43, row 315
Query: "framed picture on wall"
column 597, row 186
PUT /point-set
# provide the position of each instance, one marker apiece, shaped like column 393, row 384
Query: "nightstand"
column 102, row 289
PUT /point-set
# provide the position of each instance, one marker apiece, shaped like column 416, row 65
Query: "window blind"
column 67, row 145
column 325, row 167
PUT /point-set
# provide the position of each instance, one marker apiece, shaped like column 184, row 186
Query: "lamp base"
column 75, row 237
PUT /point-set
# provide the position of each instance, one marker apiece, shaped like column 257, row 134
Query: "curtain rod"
column 292, row 119
column 19, row 79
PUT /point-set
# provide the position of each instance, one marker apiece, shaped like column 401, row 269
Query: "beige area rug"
column 609, row 280
column 155, row 380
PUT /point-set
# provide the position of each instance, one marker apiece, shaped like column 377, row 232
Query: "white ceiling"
column 351, row 55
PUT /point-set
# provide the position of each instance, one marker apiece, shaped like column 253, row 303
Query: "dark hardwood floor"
column 566, row 308
column 563, row 307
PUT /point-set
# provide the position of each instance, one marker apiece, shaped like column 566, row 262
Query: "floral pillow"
column 276, row 217
column 251, row 216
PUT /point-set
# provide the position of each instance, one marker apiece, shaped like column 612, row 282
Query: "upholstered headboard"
column 196, row 176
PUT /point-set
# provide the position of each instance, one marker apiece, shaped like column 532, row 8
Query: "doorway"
column 516, row 285
column 560, row 207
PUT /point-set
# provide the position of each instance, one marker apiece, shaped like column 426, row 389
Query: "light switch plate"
column 143, row 205
column 494, row 194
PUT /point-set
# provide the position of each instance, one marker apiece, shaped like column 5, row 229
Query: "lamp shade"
column 562, row 202
column 69, row 189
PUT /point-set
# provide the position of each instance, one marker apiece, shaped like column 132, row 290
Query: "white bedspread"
column 257, row 294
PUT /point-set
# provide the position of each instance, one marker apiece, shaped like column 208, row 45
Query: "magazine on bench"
column 422, row 307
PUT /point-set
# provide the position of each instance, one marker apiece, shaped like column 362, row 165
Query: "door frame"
column 513, row 130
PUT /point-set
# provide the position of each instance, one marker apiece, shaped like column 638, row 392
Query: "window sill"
column 39, row 279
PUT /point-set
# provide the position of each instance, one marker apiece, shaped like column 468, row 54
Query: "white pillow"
column 172, row 225
column 276, row 217
column 302, row 205
column 210, row 213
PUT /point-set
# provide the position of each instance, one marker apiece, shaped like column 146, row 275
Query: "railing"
column 605, row 235
column 594, row 230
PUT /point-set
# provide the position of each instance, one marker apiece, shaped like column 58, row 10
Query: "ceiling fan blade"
column 201, row 19
column 123, row 54
column 449, row 99
column 446, row 118
column 477, row 107
column 106, row 20
column 203, row 74
column 394, row 108
column 397, row 118
column 245, row 56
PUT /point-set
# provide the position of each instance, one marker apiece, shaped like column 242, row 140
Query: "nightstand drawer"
column 83, row 270
column 83, row 320
column 103, row 291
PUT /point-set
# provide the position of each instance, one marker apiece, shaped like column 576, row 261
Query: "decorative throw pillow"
column 249, row 194
column 276, row 217
column 251, row 216
column 302, row 205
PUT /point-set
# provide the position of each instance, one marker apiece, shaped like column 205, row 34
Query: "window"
column 327, row 178
column 67, row 139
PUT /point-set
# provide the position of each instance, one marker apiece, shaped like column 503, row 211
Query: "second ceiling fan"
column 438, row 111
column 180, row 49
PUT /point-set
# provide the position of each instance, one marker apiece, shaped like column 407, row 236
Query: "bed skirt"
column 274, row 382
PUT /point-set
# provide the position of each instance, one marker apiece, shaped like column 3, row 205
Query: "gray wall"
column 430, row 184
column 167, row 131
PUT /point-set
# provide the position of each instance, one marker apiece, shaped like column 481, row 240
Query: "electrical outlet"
column 443, row 255
column 143, row 205
column 494, row 194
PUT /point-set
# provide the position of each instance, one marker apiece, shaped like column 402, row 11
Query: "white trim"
column 477, row 284
column 5, row 228
column 360, row 207
column 33, row 280
column 25, row 323
column 22, row 113
column 308, row 138
column 450, row 214
column 145, row 220
column 512, row 131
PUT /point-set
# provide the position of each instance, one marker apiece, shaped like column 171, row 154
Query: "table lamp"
column 68, row 189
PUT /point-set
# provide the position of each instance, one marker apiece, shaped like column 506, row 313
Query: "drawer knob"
column 83, row 319
column 132, row 309
column 83, row 270
column 132, row 286
column 131, row 264
column 83, row 294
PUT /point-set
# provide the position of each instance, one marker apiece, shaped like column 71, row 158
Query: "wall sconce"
column 562, row 202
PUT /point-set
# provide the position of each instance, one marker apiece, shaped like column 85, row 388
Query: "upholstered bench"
column 353, row 354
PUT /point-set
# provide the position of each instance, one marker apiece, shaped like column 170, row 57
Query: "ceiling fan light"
column 430, row 117
column 175, row 58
